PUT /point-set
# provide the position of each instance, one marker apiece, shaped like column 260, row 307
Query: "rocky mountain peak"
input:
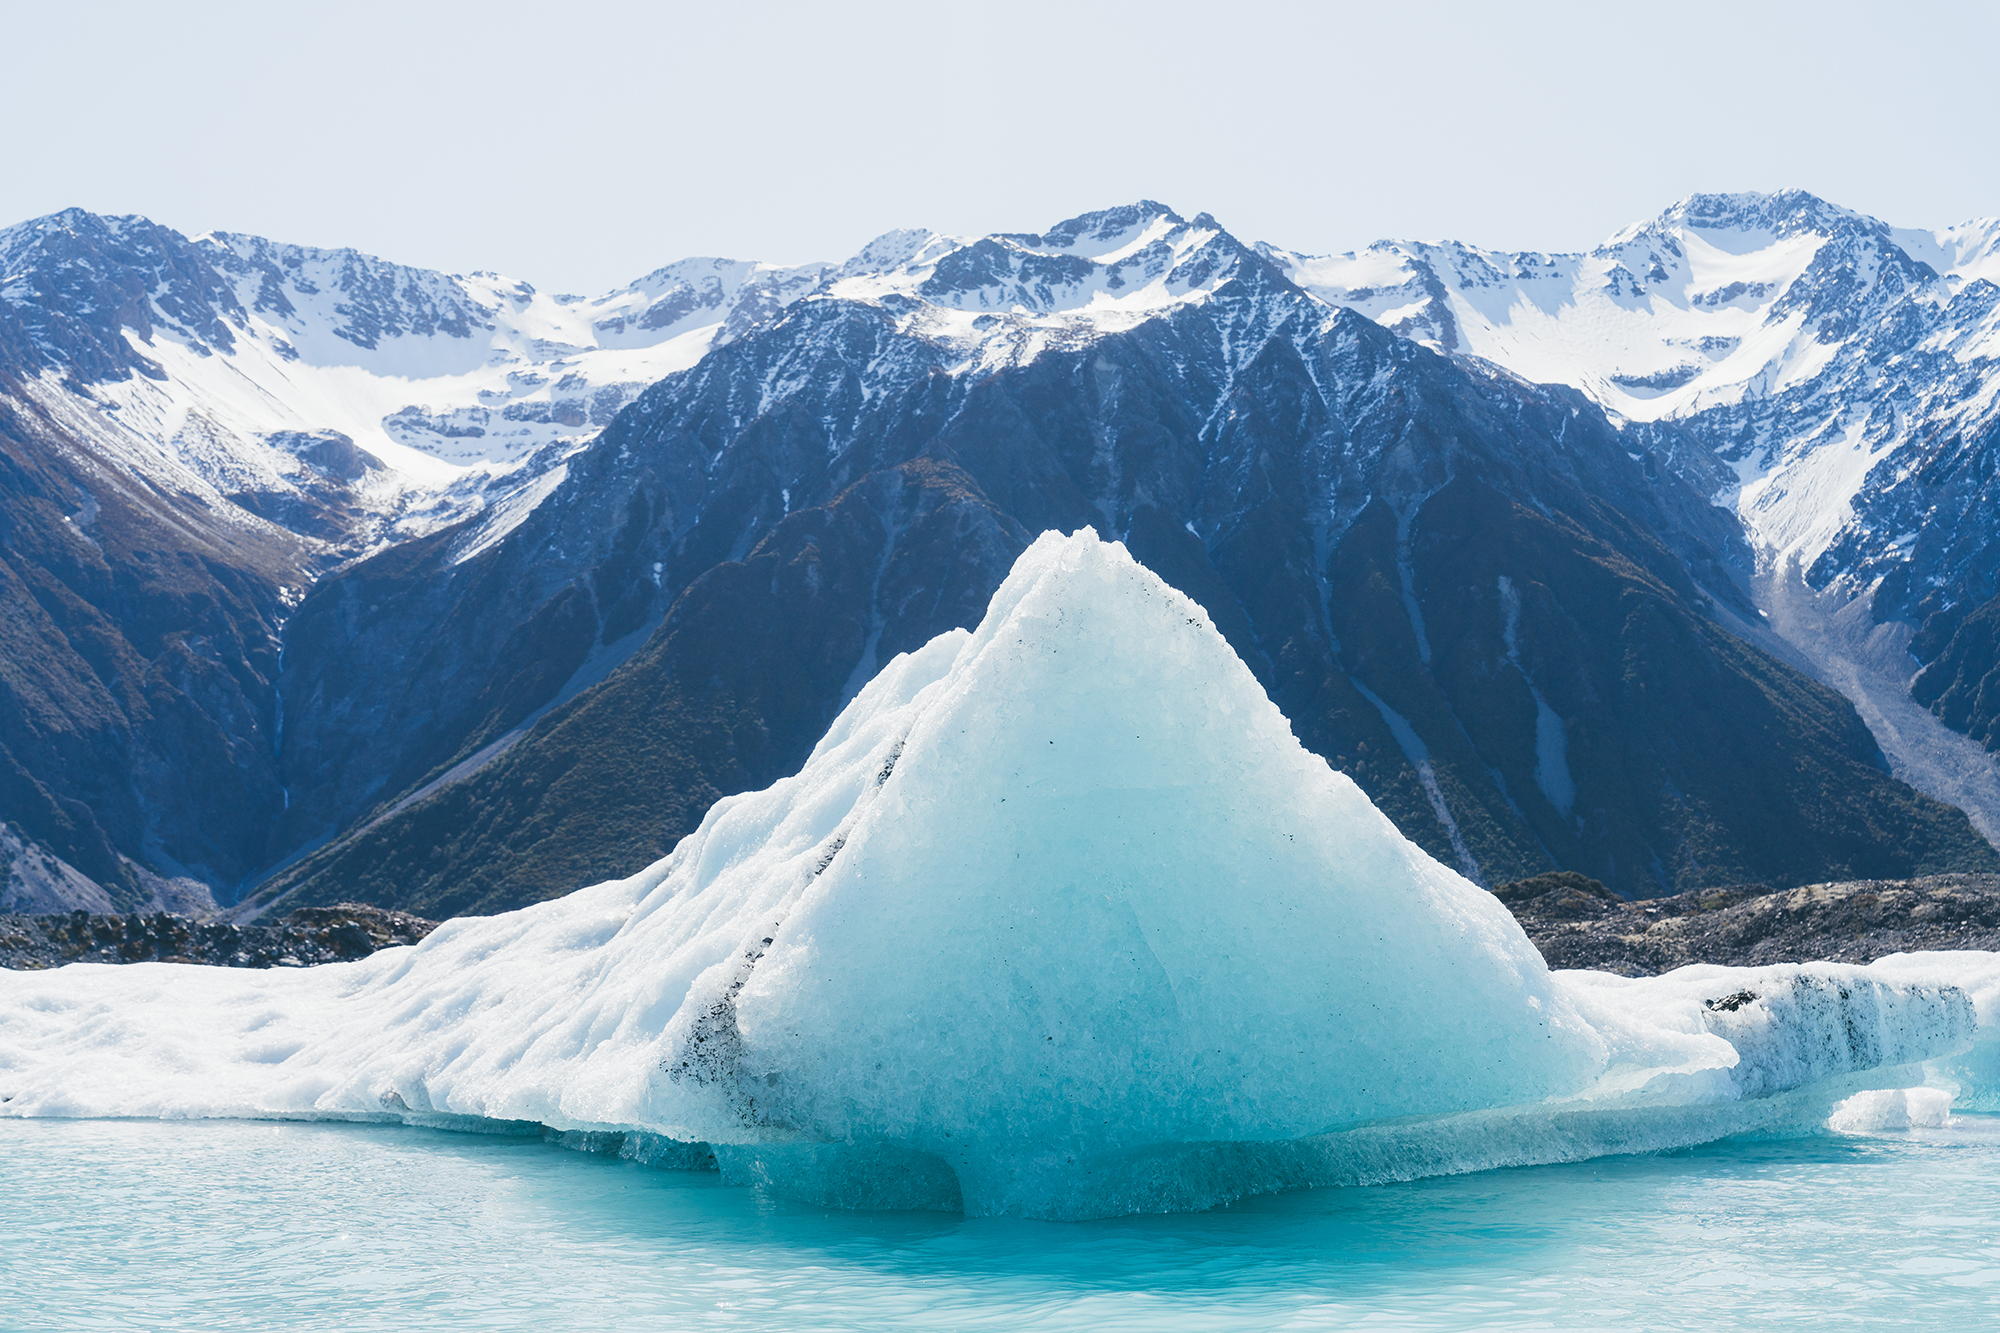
column 71, row 283
column 1113, row 264
column 1781, row 214
column 1102, row 231
column 354, row 296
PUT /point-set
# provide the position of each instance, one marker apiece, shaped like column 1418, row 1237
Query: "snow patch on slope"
column 1552, row 773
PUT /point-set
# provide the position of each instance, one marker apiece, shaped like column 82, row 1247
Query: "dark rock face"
column 1664, row 722
column 730, row 694
column 1962, row 683
column 1583, row 925
column 138, row 646
column 1462, row 589
column 330, row 452
column 140, row 614
column 311, row 935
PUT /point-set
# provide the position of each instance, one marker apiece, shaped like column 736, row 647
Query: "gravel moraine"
column 1577, row 922
column 310, row 935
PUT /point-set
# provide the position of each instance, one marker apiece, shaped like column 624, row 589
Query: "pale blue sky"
column 579, row 145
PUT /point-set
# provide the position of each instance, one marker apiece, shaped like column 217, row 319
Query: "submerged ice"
column 1059, row 919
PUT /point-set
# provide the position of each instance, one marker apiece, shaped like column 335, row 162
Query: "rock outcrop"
column 1577, row 922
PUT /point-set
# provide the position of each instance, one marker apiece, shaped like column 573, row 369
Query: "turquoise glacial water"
column 246, row 1225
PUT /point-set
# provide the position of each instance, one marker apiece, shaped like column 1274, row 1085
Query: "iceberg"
column 1058, row 920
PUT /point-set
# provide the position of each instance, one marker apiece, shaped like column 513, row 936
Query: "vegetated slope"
column 1425, row 563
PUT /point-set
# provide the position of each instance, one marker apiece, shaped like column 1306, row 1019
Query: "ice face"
column 1972, row 1077
column 1106, row 899
column 1059, row 919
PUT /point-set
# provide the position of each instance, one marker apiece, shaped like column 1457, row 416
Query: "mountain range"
column 323, row 578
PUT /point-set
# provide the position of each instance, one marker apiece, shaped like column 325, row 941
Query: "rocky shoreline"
column 308, row 936
column 1577, row 922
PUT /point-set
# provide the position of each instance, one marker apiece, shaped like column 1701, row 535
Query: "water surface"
column 248, row 1225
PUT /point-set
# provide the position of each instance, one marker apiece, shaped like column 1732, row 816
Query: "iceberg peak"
column 1107, row 900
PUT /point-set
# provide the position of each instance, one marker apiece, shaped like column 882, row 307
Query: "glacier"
column 1058, row 920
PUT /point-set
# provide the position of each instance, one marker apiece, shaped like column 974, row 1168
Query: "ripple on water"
column 246, row 1225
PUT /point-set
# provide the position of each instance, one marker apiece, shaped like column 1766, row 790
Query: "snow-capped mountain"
column 1436, row 566
column 1833, row 380
column 1833, row 363
column 1422, row 490
column 262, row 372
column 191, row 433
column 1102, row 271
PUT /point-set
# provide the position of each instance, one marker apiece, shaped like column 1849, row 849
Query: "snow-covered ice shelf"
column 1058, row 920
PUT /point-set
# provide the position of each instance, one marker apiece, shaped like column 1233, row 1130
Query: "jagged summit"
column 1106, row 268
column 1101, row 231
column 371, row 300
column 1780, row 213
column 19, row 238
column 73, row 283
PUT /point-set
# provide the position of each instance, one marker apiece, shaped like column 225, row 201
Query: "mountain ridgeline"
column 1502, row 611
